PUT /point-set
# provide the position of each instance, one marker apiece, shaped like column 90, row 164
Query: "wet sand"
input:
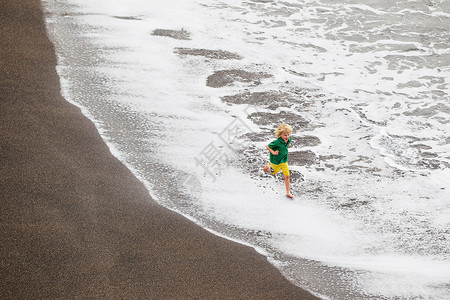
column 75, row 223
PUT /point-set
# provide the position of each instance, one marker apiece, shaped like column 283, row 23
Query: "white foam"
column 154, row 109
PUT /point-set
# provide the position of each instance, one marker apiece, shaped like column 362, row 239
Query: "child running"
column 279, row 154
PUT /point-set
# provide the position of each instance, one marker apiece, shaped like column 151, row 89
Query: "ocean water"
column 188, row 93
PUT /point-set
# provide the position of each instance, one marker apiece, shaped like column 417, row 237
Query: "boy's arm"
column 271, row 151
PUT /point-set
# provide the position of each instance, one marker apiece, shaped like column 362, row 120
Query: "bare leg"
column 286, row 182
column 266, row 167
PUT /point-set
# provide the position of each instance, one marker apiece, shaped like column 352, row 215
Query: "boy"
column 279, row 154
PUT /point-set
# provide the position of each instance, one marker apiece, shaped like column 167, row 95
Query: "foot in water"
column 289, row 195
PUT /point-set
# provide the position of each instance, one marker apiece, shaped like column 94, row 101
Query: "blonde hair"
column 282, row 129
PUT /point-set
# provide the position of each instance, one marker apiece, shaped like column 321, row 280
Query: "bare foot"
column 289, row 195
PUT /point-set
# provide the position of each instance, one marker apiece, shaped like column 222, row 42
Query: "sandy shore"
column 75, row 223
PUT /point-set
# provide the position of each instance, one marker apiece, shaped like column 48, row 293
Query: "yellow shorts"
column 274, row 169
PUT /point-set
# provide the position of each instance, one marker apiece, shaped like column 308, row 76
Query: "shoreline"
column 75, row 221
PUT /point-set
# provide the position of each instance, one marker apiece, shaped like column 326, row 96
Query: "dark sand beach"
column 75, row 223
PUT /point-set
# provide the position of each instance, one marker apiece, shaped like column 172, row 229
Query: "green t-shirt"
column 282, row 147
